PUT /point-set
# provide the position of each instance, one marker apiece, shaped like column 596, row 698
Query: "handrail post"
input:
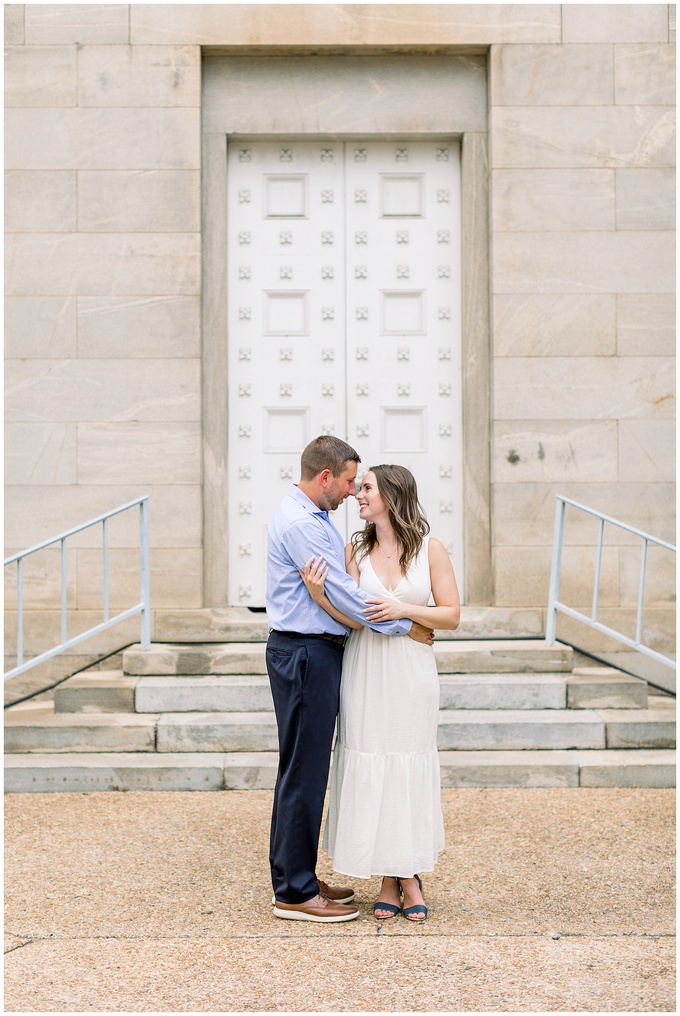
column 641, row 593
column 105, row 567
column 551, row 619
column 20, row 612
column 598, row 567
column 64, row 636
column 144, row 573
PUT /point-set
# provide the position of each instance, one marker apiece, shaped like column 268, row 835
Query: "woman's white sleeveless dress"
column 385, row 815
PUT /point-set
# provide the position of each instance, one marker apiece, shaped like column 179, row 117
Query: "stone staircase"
column 514, row 713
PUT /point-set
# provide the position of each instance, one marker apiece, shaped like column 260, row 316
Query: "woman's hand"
column 314, row 577
column 384, row 609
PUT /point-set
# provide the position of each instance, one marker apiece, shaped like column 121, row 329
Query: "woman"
column 385, row 813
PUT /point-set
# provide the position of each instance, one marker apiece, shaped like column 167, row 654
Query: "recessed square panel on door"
column 404, row 393
column 286, row 339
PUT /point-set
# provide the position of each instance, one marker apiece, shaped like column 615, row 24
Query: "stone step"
column 246, row 694
column 33, row 726
column 575, row 768
column 74, row 772
column 453, row 657
column 633, row 728
column 516, row 729
column 101, row 691
column 605, row 688
column 112, row 691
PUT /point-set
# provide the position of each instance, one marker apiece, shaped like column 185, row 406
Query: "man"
column 304, row 663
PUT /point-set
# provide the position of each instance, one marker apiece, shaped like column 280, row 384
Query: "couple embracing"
column 384, row 815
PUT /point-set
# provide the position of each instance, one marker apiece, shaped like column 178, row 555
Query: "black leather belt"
column 338, row 639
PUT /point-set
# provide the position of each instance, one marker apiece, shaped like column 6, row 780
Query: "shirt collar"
column 306, row 502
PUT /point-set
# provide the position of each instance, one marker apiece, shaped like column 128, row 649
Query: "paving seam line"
column 19, row 945
column 295, row 937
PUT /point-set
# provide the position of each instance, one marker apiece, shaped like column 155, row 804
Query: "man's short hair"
column 326, row 452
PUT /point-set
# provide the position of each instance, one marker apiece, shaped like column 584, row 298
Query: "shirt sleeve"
column 301, row 541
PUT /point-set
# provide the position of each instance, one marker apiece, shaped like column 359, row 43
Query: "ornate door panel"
column 344, row 318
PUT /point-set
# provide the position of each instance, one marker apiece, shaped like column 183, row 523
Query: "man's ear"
column 325, row 477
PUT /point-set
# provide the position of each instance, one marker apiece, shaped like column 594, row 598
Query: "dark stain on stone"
column 541, row 451
column 513, row 457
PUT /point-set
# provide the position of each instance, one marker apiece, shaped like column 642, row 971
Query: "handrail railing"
column 142, row 608
column 554, row 604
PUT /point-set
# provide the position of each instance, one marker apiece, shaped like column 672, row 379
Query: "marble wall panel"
column 42, row 630
column 583, row 262
column 573, row 75
column 136, row 452
column 524, row 513
column 645, row 199
column 553, row 199
column 555, row 451
column 40, row 76
column 176, row 578
column 672, row 18
column 523, row 574
column 40, row 453
column 40, row 201
column 645, row 74
column 40, row 326
column 660, row 575
column 647, row 450
column 139, row 76
column 344, row 94
column 139, row 201
column 14, row 24
column 343, row 25
column 645, row 324
column 558, row 324
column 122, row 264
column 614, row 22
column 582, row 137
column 41, row 581
column 106, row 138
column 77, row 23
column 102, row 390
column 139, row 327
column 533, row 388
column 35, row 513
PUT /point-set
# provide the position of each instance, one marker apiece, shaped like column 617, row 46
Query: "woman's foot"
column 413, row 899
column 389, row 894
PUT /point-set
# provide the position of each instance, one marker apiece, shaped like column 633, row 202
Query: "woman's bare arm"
column 446, row 612
column 314, row 577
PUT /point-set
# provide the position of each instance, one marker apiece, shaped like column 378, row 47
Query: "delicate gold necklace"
column 388, row 556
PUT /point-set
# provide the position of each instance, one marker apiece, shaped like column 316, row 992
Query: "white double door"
column 344, row 318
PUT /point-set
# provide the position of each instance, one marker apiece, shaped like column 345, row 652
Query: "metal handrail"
column 554, row 604
column 142, row 608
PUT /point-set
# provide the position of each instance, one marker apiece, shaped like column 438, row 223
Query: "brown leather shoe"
column 319, row 908
column 336, row 893
column 339, row 894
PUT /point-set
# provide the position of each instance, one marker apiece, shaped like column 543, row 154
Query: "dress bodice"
column 414, row 586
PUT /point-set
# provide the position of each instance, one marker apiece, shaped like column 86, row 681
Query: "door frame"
column 476, row 375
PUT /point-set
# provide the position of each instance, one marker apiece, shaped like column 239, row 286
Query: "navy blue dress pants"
column 304, row 674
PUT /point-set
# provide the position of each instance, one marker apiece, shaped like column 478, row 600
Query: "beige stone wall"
column 582, row 191
column 103, row 265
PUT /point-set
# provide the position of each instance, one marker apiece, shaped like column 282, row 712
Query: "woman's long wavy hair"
column 397, row 488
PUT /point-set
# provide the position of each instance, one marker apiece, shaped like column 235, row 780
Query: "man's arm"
column 301, row 541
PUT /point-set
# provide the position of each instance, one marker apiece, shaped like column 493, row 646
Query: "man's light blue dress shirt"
column 298, row 531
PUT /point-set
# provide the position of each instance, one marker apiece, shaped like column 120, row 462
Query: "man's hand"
column 419, row 633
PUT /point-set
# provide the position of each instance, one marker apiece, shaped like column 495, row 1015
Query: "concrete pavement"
column 544, row 900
